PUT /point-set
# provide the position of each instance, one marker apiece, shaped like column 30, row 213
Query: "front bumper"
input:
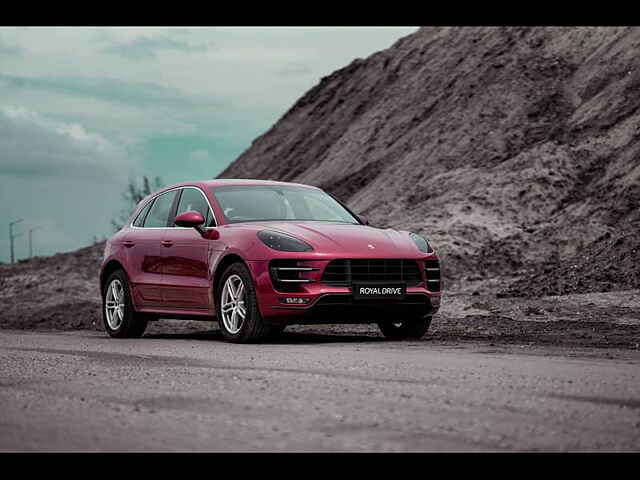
column 327, row 304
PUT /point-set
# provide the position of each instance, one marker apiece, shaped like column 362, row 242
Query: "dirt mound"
column 612, row 262
column 60, row 291
column 508, row 147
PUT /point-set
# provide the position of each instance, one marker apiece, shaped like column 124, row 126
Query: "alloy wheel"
column 233, row 304
column 114, row 304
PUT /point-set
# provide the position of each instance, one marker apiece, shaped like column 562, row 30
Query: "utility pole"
column 30, row 244
column 12, row 237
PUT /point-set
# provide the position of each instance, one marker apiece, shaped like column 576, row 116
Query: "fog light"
column 295, row 300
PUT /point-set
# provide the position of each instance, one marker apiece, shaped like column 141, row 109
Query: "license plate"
column 362, row 291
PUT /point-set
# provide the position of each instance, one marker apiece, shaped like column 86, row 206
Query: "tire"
column 131, row 324
column 236, row 329
column 409, row 329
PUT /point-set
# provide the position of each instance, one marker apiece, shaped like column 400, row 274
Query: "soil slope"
column 612, row 262
column 508, row 147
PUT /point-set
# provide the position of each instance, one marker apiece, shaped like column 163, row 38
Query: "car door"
column 144, row 255
column 186, row 282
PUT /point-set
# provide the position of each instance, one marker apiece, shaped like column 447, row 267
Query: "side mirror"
column 189, row 219
column 195, row 220
column 363, row 219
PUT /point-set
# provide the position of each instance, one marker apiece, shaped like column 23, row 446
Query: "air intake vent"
column 432, row 272
column 345, row 272
column 286, row 274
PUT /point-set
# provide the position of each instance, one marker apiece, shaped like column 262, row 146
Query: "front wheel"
column 408, row 329
column 237, row 307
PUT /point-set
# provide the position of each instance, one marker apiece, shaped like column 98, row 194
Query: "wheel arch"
column 222, row 266
column 110, row 267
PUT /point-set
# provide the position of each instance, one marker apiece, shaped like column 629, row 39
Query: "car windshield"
column 255, row 203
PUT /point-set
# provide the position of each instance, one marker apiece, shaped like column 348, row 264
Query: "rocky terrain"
column 515, row 150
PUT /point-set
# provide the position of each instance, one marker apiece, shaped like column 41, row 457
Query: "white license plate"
column 363, row 291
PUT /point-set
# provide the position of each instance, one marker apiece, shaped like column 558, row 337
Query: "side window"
column 143, row 213
column 159, row 214
column 193, row 199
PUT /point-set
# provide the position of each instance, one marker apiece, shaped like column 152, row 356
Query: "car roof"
column 227, row 182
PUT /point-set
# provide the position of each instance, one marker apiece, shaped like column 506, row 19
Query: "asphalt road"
column 82, row 391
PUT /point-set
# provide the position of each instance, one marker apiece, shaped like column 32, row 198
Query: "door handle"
column 128, row 243
column 167, row 243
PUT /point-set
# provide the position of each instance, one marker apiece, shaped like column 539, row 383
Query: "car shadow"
column 286, row 338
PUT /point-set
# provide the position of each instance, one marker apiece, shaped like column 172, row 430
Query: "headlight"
column 421, row 243
column 283, row 242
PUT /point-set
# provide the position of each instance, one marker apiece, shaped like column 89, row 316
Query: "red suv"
column 259, row 255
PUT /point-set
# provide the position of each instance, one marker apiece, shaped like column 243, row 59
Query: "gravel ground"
column 310, row 391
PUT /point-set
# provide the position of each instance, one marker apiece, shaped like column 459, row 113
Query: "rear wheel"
column 119, row 318
column 237, row 307
column 408, row 329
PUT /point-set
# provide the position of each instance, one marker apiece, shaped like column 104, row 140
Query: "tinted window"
column 193, row 199
column 143, row 213
column 159, row 214
column 249, row 203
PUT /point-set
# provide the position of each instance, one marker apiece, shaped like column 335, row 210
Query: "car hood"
column 347, row 239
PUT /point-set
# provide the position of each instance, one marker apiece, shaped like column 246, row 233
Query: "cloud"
column 149, row 46
column 34, row 146
column 60, row 176
column 141, row 94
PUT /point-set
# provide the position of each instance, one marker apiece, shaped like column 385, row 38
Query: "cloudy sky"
column 82, row 110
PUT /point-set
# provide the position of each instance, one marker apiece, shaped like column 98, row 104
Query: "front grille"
column 346, row 272
column 334, row 308
column 432, row 272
